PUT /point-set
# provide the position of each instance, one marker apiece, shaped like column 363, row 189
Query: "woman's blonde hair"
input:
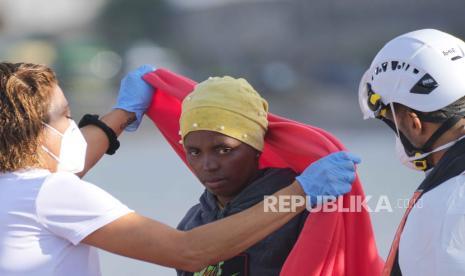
column 25, row 92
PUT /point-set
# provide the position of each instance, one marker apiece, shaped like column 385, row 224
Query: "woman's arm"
column 145, row 239
column 142, row 238
column 97, row 141
column 134, row 98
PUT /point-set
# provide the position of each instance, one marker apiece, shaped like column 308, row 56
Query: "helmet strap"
column 413, row 151
column 448, row 124
column 395, row 118
column 423, row 163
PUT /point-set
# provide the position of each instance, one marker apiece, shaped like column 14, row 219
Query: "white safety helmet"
column 423, row 70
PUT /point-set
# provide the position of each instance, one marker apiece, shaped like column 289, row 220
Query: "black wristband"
column 90, row 119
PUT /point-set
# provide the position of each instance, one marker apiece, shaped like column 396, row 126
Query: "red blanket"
column 331, row 243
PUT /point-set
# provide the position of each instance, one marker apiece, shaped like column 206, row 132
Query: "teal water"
column 146, row 175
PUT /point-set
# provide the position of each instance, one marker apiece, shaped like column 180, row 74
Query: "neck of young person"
column 453, row 134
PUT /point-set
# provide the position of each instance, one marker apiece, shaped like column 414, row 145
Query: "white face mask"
column 408, row 161
column 402, row 156
column 72, row 150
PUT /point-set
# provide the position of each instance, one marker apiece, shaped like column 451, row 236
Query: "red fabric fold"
column 331, row 243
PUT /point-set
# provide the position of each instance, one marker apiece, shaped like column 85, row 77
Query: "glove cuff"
column 134, row 125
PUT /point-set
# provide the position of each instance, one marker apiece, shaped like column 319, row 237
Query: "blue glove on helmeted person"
column 135, row 95
column 331, row 175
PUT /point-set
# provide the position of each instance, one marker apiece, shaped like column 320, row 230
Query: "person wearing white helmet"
column 416, row 85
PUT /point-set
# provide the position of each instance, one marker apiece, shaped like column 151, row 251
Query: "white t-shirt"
column 43, row 219
column 433, row 240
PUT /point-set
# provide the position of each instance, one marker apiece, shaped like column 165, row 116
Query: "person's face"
column 409, row 124
column 59, row 114
column 224, row 165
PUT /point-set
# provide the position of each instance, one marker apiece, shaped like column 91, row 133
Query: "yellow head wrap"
column 228, row 106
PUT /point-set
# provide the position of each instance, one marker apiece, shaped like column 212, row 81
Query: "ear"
column 415, row 122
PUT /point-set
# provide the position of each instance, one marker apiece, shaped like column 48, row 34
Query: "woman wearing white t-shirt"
column 51, row 221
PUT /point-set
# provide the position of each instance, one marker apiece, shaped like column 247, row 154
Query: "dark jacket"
column 267, row 256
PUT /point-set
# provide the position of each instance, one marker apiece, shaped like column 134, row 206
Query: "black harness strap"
column 440, row 131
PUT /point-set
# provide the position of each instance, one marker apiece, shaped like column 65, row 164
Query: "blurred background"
column 305, row 57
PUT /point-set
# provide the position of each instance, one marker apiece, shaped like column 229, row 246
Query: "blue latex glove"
column 331, row 175
column 135, row 95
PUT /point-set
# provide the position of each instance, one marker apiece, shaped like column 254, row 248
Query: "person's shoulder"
column 190, row 216
column 281, row 173
column 25, row 175
column 461, row 178
column 62, row 177
column 63, row 185
column 459, row 182
column 455, row 186
column 194, row 209
column 274, row 180
column 453, row 191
